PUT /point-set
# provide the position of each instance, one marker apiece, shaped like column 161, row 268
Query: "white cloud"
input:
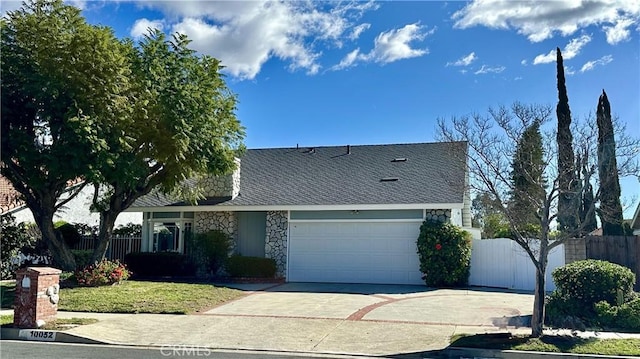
column 348, row 60
column 541, row 20
column 394, row 45
column 568, row 70
column 523, row 62
column 619, row 32
column 246, row 34
column 590, row 65
column 358, row 30
column 141, row 27
column 464, row 61
column 487, row 69
column 389, row 46
column 571, row 50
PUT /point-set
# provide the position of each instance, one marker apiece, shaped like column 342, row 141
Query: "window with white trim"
column 170, row 231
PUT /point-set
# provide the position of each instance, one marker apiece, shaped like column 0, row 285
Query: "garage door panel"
column 354, row 252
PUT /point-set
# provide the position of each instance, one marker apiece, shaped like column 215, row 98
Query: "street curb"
column 460, row 352
column 61, row 337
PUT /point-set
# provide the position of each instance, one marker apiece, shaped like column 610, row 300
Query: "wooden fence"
column 616, row 249
column 118, row 247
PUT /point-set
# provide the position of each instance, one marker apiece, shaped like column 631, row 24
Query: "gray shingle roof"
column 329, row 176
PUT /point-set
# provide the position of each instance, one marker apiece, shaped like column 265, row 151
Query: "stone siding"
column 275, row 246
column 222, row 186
column 224, row 221
column 441, row 215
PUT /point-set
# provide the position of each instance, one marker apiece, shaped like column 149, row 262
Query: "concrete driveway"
column 385, row 303
column 371, row 320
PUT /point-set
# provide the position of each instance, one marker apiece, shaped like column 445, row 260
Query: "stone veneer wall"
column 224, row 221
column 442, row 215
column 222, row 186
column 275, row 246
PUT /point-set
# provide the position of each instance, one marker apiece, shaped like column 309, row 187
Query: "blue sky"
column 337, row 73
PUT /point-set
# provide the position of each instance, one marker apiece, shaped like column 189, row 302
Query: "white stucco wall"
column 77, row 211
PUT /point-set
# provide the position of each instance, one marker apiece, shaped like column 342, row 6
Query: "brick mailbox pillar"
column 37, row 295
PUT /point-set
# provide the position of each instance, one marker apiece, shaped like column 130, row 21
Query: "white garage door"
column 354, row 252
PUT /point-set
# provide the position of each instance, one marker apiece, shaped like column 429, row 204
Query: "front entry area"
column 380, row 252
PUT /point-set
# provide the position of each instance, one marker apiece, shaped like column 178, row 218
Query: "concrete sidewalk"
column 324, row 318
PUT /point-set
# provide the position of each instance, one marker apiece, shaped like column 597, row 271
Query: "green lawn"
column 551, row 343
column 138, row 297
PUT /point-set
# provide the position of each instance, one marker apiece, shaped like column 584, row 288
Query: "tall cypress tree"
column 568, row 205
column 528, row 182
column 587, row 214
column 610, row 208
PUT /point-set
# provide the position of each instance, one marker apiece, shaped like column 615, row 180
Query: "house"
column 347, row 214
column 635, row 221
column 77, row 210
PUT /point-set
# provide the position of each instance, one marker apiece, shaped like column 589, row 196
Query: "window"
column 170, row 234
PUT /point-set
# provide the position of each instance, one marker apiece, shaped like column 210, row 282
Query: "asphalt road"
column 30, row 350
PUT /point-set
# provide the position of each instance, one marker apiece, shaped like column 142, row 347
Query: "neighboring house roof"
column 343, row 175
column 9, row 197
column 635, row 221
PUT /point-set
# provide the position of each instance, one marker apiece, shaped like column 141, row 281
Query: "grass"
column 549, row 343
column 58, row 324
column 145, row 297
column 137, row 297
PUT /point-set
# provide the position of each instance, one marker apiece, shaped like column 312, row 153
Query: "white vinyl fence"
column 502, row 263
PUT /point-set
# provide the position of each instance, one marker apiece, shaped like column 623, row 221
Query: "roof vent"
column 311, row 150
column 389, row 179
column 399, row 159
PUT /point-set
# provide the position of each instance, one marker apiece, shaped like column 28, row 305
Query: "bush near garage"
column 581, row 285
column 445, row 254
column 159, row 264
column 241, row 266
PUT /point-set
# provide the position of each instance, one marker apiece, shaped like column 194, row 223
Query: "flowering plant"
column 445, row 254
column 104, row 272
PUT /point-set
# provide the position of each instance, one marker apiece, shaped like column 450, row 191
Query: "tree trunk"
column 55, row 243
column 107, row 221
column 537, row 319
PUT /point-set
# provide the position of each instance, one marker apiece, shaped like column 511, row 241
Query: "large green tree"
column 182, row 125
column 610, row 210
column 62, row 87
column 568, row 198
column 528, row 182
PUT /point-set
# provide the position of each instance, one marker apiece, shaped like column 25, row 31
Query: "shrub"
column 69, row 233
column 240, row 266
column 623, row 317
column 82, row 257
column 582, row 284
column 129, row 229
column 104, row 272
column 159, row 264
column 445, row 254
column 210, row 250
column 590, row 281
column 16, row 240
